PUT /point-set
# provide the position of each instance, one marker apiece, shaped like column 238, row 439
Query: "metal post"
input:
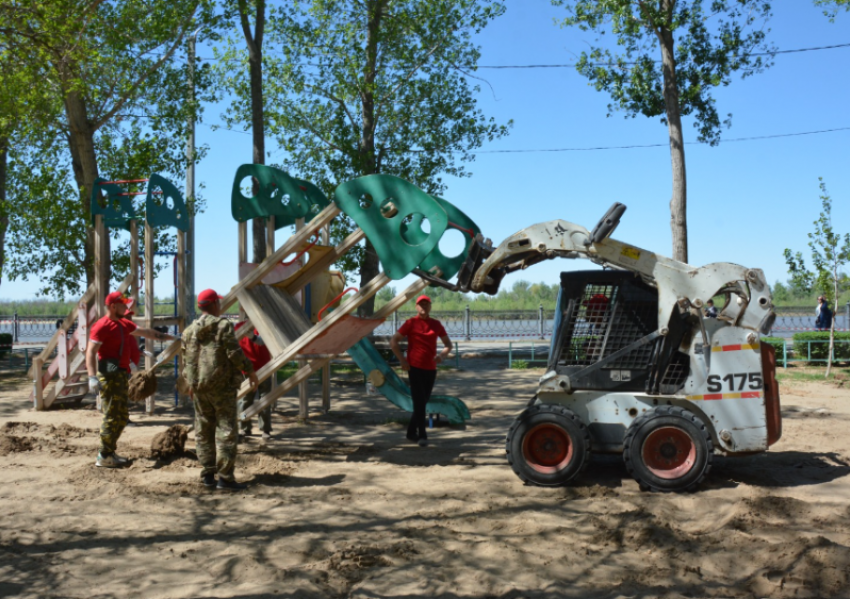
column 14, row 329
column 457, row 356
column 785, row 354
column 510, row 354
column 847, row 316
column 467, row 324
column 539, row 323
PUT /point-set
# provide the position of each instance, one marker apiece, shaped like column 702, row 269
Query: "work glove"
column 94, row 384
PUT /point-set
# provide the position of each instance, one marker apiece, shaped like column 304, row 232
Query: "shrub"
column 519, row 364
column 5, row 343
column 777, row 343
column 820, row 346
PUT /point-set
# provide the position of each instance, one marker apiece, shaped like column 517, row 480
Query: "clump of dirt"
column 22, row 427
column 65, row 430
column 12, row 444
column 142, row 385
column 169, row 443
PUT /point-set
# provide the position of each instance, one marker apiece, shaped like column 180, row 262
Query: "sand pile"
column 169, row 443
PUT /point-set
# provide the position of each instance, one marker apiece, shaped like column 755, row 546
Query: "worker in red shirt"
column 256, row 351
column 108, row 365
column 421, row 361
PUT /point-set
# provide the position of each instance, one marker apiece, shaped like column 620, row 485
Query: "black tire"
column 548, row 445
column 668, row 449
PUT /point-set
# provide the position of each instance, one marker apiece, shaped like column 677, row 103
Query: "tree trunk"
column 4, row 209
column 84, row 161
column 678, row 201
column 255, row 71
column 369, row 269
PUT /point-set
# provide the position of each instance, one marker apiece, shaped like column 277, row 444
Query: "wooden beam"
column 150, row 298
column 256, row 276
column 358, row 299
column 66, row 324
column 301, row 375
column 37, row 387
column 320, row 264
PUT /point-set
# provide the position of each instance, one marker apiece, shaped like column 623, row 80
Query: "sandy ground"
column 344, row 507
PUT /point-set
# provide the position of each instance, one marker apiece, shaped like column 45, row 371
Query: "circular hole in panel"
column 169, row 203
column 284, row 201
column 389, row 208
column 103, row 200
column 414, row 229
column 452, row 243
column 366, row 201
column 314, row 208
column 246, row 186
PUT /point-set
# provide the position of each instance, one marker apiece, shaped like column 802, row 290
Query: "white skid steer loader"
column 635, row 366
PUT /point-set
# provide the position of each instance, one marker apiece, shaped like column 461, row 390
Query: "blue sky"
column 747, row 201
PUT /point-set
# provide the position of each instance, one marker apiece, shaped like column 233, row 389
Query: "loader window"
column 603, row 313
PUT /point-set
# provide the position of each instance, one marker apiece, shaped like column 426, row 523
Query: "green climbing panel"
column 165, row 209
column 403, row 237
column 449, row 266
column 112, row 203
column 276, row 194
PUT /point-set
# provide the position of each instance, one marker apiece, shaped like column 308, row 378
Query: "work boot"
column 423, row 442
column 122, row 461
column 267, row 436
column 208, row 480
column 107, row 461
column 230, row 485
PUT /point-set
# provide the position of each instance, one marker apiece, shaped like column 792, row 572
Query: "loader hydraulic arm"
column 680, row 286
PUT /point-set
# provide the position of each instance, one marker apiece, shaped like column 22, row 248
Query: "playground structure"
column 112, row 207
column 634, row 366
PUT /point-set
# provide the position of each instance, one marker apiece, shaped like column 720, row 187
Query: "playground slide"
column 394, row 389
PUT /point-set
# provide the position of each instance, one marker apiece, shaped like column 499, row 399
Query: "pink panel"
column 343, row 334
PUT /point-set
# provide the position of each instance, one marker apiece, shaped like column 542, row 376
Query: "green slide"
column 394, row 389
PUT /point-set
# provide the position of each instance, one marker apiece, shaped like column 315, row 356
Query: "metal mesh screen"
column 605, row 319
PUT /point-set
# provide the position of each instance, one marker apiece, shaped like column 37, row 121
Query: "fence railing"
column 467, row 324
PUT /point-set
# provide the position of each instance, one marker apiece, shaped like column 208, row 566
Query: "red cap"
column 208, row 296
column 423, row 298
column 116, row 297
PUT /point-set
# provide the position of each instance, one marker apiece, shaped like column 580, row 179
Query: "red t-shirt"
column 258, row 354
column 422, row 335
column 108, row 333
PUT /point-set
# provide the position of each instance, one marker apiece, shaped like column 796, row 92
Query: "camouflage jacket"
column 212, row 358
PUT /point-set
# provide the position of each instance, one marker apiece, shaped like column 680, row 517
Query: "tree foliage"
column 671, row 55
column 830, row 251
column 357, row 87
column 120, row 108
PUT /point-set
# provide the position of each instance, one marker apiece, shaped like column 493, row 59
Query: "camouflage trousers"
column 113, row 397
column 264, row 417
column 215, row 432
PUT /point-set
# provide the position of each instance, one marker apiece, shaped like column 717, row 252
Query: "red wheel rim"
column 547, row 448
column 669, row 452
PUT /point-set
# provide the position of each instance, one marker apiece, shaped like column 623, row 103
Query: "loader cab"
column 606, row 338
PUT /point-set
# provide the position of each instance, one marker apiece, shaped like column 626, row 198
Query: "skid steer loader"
column 635, row 366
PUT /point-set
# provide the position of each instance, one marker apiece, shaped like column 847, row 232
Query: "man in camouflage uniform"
column 213, row 364
column 108, row 359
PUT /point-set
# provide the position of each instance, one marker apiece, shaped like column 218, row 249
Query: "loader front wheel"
column 668, row 449
column 547, row 445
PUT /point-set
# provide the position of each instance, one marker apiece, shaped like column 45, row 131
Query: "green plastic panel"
column 277, row 194
column 399, row 240
column 449, row 266
column 397, row 392
column 166, row 209
column 116, row 209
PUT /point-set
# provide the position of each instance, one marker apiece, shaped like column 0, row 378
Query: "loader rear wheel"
column 547, row 445
column 668, row 449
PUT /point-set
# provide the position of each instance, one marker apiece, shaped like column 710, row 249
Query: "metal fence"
column 465, row 324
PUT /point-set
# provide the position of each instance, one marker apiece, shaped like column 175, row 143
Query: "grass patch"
column 812, row 375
